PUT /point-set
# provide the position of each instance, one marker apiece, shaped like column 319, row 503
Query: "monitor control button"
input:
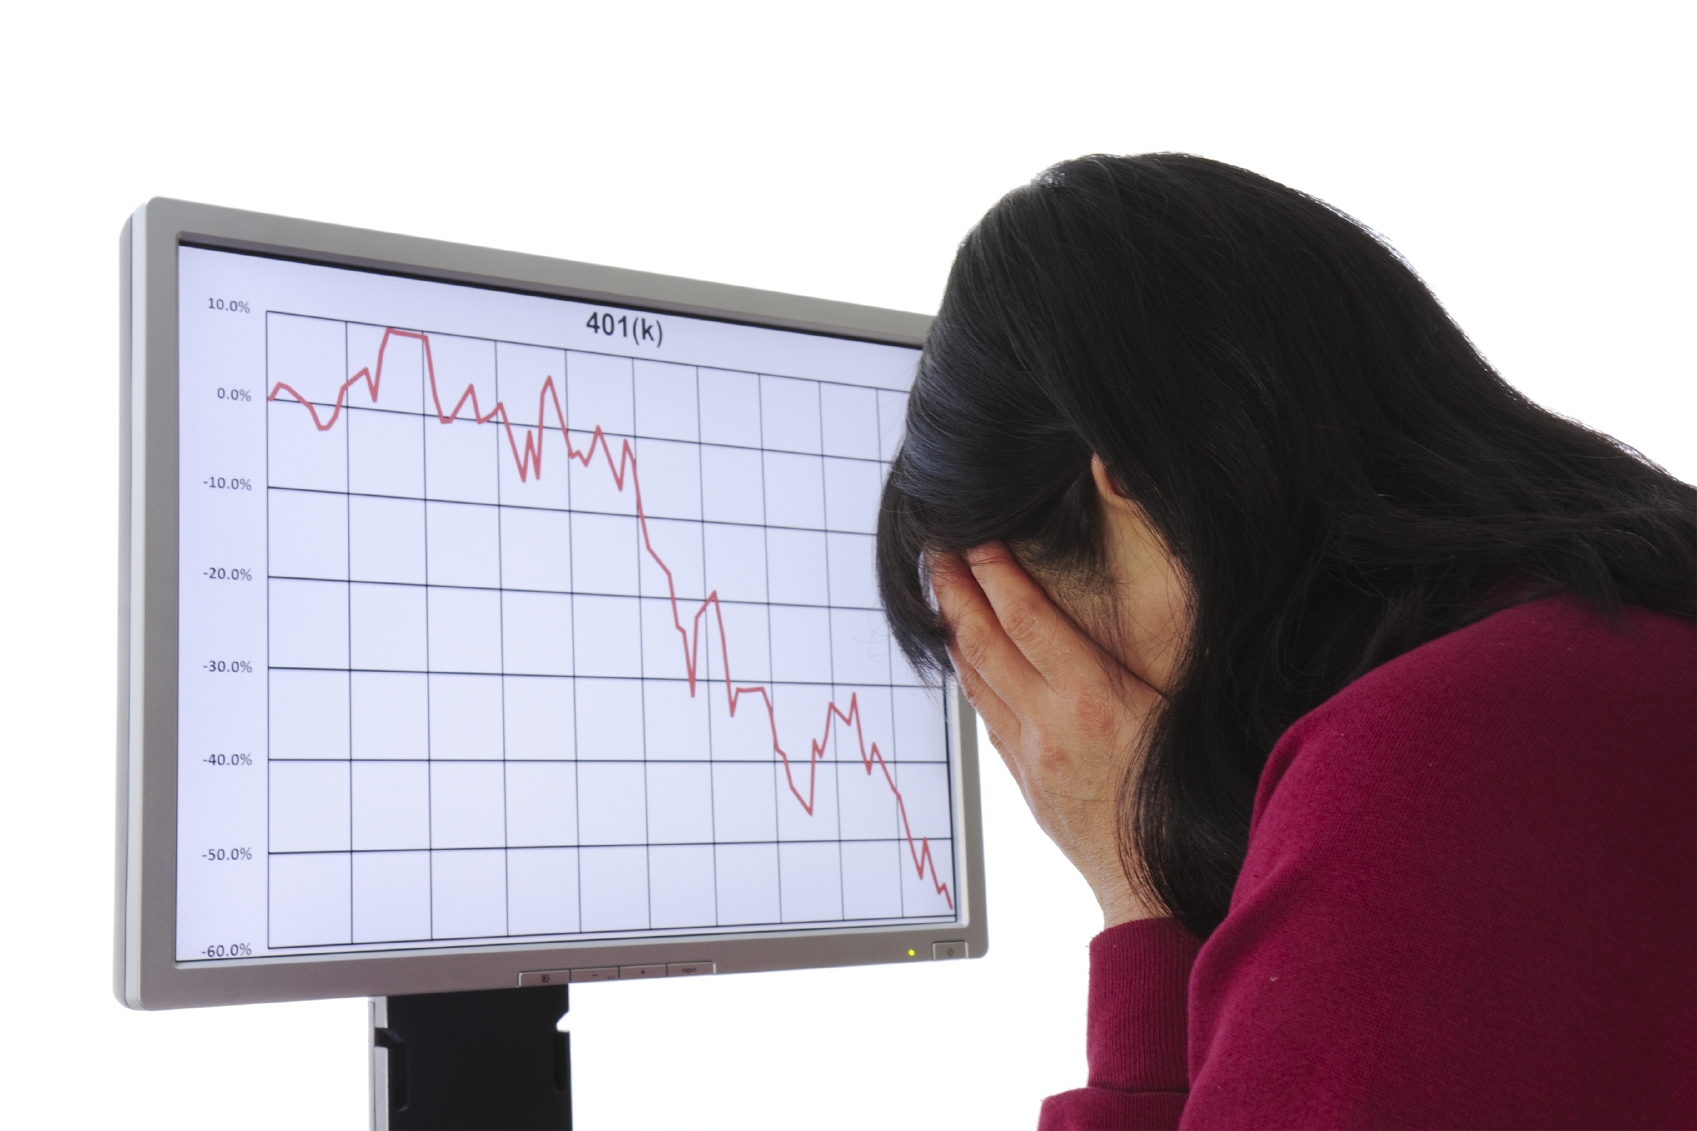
column 684, row 969
column 596, row 974
column 544, row 977
column 948, row 950
column 655, row 971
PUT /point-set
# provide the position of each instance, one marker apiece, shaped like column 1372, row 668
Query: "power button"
column 948, row 950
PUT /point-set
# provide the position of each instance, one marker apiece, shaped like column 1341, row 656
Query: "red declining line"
column 529, row 463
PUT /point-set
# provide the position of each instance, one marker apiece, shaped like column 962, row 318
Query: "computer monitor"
column 490, row 620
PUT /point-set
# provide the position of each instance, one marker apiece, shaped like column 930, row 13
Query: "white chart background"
column 483, row 720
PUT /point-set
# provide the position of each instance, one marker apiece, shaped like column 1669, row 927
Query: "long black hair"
column 1340, row 474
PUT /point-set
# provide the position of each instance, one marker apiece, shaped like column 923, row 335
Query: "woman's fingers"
column 998, row 719
column 1049, row 641
column 979, row 639
column 1001, row 724
column 1061, row 719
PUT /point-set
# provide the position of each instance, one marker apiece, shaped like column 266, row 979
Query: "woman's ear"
column 1107, row 490
column 1151, row 593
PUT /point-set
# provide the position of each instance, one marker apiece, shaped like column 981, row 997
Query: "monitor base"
column 480, row 1060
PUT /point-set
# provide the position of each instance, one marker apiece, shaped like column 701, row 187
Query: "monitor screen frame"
column 147, row 974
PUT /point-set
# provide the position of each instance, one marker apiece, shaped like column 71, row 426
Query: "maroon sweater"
column 1470, row 900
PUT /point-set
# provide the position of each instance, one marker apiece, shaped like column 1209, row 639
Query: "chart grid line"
column 380, row 326
column 616, row 453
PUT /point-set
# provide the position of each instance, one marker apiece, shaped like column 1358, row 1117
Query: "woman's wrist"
column 1121, row 904
column 1117, row 917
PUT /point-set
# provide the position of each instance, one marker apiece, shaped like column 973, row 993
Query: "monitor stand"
column 481, row 1060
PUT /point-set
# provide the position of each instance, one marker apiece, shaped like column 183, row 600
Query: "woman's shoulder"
column 1500, row 698
column 1478, row 856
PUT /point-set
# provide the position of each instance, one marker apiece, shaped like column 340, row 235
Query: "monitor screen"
column 508, row 618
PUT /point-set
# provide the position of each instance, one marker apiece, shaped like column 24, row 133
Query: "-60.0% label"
column 228, row 950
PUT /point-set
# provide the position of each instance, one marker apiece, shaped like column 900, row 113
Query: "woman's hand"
column 1065, row 715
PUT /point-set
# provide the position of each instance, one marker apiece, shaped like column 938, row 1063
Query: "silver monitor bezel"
column 146, row 973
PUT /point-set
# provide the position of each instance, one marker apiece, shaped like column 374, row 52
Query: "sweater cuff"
column 1139, row 989
column 1092, row 1109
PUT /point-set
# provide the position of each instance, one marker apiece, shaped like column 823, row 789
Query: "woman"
column 1359, row 688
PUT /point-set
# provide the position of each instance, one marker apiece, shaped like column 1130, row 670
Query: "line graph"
column 525, row 445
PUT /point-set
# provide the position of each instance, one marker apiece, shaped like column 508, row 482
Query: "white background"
column 1532, row 160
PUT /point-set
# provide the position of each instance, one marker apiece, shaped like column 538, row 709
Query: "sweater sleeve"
column 1135, row 1045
